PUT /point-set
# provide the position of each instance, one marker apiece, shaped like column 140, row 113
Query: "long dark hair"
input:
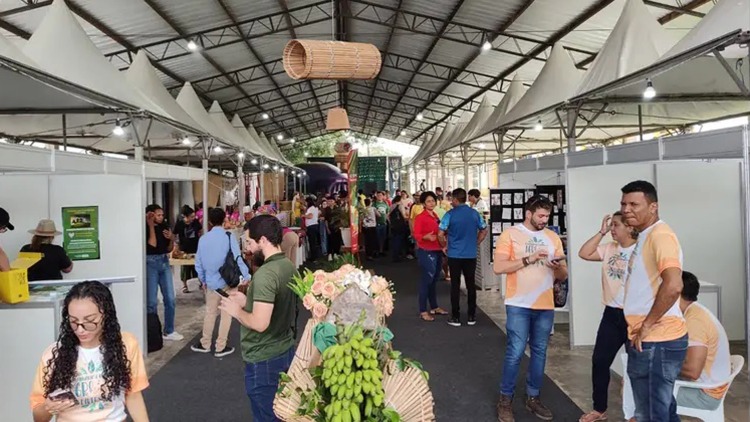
column 37, row 242
column 61, row 369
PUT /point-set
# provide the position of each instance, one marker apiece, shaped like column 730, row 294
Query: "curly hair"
column 61, row 368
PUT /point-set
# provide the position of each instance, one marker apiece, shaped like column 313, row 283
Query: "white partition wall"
column 592, row 193
column 529, row 180
column 701, row 201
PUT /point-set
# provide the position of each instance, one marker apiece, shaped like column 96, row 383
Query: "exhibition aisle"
column 464, row 365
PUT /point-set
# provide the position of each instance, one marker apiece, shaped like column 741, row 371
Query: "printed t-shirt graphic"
column 531, row 286
column 88, row 381
column 704, row 330
column 614, row 271
column 656, row 250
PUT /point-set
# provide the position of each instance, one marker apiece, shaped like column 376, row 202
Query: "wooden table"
column 177, row 264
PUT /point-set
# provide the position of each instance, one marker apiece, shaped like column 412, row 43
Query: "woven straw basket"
column 405, row 391
column 319, row 59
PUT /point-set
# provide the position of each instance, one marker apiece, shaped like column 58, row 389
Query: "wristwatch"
column 525, row 261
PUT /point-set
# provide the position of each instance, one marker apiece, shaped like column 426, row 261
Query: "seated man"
column 707, row 359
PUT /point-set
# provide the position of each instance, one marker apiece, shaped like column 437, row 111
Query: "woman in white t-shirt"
column 94, row 372
column 613, row 330
column 312, row 228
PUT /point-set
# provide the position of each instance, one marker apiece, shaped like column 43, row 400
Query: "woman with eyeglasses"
column 94, row 372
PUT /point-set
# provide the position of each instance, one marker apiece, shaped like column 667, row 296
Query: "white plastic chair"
column 717, row 415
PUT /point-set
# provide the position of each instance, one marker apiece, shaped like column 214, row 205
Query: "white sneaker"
column 174, row 336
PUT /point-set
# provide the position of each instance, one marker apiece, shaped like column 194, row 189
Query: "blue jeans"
column 429, row 262
column 261, row 383
column 526, row 325
column 652, row 375
column 382, row 231
column 323, row 227
column 159, row 276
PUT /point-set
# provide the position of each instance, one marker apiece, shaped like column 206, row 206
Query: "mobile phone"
column 60, row 395
column 558, row 259
column 222, row 292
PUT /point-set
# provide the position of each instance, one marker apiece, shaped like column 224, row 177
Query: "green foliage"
column 301, row 283
column 321, row 146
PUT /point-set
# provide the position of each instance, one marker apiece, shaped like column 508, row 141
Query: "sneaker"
column 197, row 347
column 227, row 351
column 535, row 406
column 454, row 322
column 505, row 409
column 593, row 416
column 472, row 321
column 174, row 336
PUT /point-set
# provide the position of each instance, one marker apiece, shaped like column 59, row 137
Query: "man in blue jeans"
column 656, row 327
column 267, row 316
column 532, row 257
column 159, row 244
column 463, row 229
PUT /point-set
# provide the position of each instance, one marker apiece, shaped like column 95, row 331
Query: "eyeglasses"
column 87, row 325
column 538, row 201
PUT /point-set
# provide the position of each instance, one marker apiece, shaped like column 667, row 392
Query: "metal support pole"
column 571, row 132
column 640, row 123
column 427, row 174
column 241, row 182
column 65, row 131
column 205, row 195
column 442, row 171
column 261, row 179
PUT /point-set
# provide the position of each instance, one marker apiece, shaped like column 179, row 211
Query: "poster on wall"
column 81, row 232
column 353, row 211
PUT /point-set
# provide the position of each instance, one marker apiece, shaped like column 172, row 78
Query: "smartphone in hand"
column 222, row 292
column 558, row 258
column 61, row 395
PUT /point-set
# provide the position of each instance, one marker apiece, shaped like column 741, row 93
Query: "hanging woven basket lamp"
column 320, row 59
column 337, row 119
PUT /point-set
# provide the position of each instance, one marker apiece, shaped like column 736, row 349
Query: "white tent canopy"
column 725, row 16
column 226, row 130
column 189, row 101
column 515, row 92
column 431, row 144
column 252, row 144
column 477, row 121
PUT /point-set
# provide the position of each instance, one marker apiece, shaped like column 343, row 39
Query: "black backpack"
column 230, row 271
column 154, row 340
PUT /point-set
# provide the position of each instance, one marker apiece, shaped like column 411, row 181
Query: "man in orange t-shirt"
column 656, row 328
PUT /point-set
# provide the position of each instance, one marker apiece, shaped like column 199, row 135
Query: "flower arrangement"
column 319, row 289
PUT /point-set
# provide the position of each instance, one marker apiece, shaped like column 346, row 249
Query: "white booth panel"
column 701, row 201
column 25, row 199
column 18, row 377
column 590, row 157
column 121, row 166
column 78, row 163
column 121, row 237
column 633, row 153
column 592, row 193
column 527, row 164
column 725, row 143
column 552, row 162
column 529, row 179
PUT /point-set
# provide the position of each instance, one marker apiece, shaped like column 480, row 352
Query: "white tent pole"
column 241, row 183
column 427, row 174
column 205, row 194
column 572, row 117
column 465, row 157
column 442, row 171
column 746, row 205
column 260, row 181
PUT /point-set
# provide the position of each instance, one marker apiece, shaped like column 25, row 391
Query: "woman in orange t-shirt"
column 429, row 254
column 93, row 372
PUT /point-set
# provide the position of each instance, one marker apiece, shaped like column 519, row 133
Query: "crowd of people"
column 94, row 371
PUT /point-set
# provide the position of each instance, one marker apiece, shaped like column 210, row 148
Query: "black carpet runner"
column 464, row 364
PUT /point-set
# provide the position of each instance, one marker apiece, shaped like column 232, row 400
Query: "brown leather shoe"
column 535, row 406
column 505, row 409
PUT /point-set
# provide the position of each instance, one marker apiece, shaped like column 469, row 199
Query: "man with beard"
column 532, row 257
column 656, row 327
column 267, row 316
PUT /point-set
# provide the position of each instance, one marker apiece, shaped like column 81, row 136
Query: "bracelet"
column 603, row 234
column 525, row 261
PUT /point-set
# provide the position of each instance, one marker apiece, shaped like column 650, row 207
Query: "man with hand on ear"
column 267, row 315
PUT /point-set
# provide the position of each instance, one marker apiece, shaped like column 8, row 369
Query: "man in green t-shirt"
column 381, row 217
column 267, row 338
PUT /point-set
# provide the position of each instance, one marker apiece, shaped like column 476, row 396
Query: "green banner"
column 81, row 232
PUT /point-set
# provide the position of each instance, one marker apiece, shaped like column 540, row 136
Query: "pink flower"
column 330, row 291
column 384, row 303
column 337, row 275
column 347, row 268
column 309, row 301
column 317, row 287
column 320, row 275
column 320, row 310
column 379, row 284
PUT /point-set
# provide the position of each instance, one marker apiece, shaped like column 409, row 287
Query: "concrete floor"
column 569, row 368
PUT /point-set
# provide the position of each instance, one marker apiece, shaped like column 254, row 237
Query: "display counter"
column 27, row 329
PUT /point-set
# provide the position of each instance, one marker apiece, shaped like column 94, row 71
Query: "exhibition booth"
column 702, row 184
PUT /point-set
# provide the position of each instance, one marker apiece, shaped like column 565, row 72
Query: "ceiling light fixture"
column 118, row 130
column 307, row 154
column 253, row 161
column 420, row 116
column 275, row 167
column 265, row 166
column 241, row 154
column 480, row 146
column 649, row 92
column 281, row 170
column 487, row 45
column 217, row 149
column 192, row 46
column 291, row 140
column 280, row 137
column 403, row 133
column 264, row 116
column 538, row 126
column 185, row 141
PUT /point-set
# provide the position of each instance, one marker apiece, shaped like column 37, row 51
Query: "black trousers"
column 335, row 241
column 612, row 334
column 467, row 267
column 371, row 241
column 313, row 237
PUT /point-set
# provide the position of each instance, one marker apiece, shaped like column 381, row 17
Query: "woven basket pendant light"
column 337, row 119
column 321, row 59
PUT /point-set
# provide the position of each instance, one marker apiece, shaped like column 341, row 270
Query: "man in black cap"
column 4, row 226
